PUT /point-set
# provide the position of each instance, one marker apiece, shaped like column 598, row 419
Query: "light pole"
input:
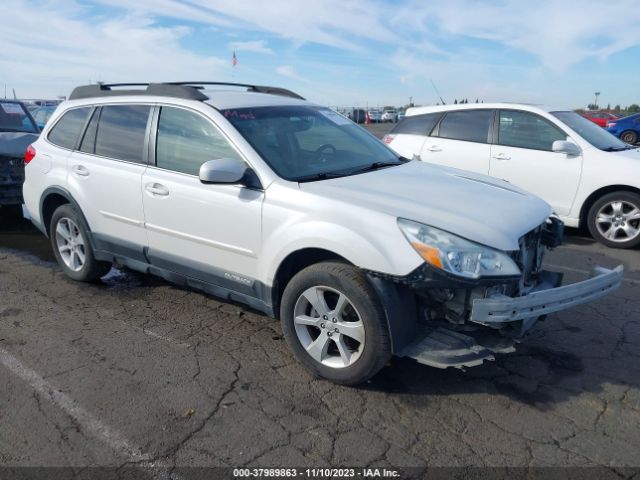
column 597, row 95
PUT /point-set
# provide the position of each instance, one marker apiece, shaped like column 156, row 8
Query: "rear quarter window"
column 66, row 132
column 417, row 124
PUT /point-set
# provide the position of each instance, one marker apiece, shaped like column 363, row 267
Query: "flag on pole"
column 234, row 59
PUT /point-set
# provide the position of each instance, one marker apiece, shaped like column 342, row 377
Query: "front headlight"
column 456, row 255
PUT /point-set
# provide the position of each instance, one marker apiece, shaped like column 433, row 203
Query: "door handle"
column 502, row 156
column 157, row 189
column 80, row 170
column 434, row 148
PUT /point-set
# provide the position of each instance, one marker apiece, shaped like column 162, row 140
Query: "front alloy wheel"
column 614, row 220
column 329, row 327
column 334, row 323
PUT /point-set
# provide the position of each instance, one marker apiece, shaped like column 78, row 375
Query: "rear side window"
column 121, row 132
column 66, row 132
column 468, row 125
column 186, row 140
column 417, row 124
column 527, row 130
column 88, row 143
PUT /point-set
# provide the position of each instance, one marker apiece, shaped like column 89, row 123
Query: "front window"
column 592, row 133
column 186, row 140
column 305, row 143
column 527, row 130
column 14, row 118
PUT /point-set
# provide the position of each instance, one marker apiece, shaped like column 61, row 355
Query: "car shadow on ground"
column 535, row 374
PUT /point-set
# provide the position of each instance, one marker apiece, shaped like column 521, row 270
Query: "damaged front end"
column 463, row 321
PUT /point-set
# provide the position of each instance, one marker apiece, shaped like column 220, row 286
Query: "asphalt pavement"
column 134, row 371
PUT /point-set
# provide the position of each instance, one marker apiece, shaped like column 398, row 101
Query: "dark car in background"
column 358, row 115
column 626, row 129
column 18, row 130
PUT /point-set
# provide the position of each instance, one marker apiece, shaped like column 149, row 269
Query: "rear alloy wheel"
column 614, row 220
column 71, row 246
column 629, row 137
column 333, row 321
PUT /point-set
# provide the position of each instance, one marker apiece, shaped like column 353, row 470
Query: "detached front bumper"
column 544, row 299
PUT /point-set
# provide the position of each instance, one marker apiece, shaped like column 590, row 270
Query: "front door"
column 209, row 233
column 522, row 155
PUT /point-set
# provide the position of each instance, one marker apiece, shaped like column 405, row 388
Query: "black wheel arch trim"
column 57, row 190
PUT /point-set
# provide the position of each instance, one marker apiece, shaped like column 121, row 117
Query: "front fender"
column 386, row 252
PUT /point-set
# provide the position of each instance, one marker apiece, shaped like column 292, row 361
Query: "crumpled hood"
column 14, row 144
column 477, row 207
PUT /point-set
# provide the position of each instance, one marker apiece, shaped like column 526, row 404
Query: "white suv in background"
column 589, row 177
column 263, row 198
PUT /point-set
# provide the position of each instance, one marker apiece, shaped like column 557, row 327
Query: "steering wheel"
column 318, row 153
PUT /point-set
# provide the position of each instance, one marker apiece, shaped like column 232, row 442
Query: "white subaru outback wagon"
column 260, row 197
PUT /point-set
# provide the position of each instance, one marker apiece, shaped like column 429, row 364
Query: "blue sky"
column 335, row 52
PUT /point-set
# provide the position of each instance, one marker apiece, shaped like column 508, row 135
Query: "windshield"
column 305, row 143
column 14, row 118
column 592, row 133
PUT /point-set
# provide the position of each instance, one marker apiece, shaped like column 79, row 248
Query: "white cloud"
column 257, row 46
column 72, row 50
column 558, row 33
column 289, row 71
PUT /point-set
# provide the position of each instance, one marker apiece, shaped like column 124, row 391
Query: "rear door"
column 461, row 140
column 206, row 232
column 408, row 136
column 105, row 176
column 522, row 155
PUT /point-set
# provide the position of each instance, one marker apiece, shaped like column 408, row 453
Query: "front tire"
column 629, row 137
column 334, row 323
column 614, row 220
column 71, row 246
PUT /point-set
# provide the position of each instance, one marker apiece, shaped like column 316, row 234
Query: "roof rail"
column 158, row 89
column 251, row 88
column 186, row 90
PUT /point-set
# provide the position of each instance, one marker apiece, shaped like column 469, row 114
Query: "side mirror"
column 563, row 146
column 223, row 170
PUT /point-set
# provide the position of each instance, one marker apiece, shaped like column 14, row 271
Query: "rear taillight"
column 388, row 138
column 29, row 154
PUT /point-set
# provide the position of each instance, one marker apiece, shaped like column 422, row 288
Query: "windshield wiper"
column 319, row 176
column 14, row 130
column 619, row 149
column 375, row 166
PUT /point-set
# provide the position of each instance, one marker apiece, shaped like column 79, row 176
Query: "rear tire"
column 614, row 220
column 629, row 137
column 334, row 323
column 71, row 246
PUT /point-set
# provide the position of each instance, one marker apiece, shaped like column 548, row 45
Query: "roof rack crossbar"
column 186, row 90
